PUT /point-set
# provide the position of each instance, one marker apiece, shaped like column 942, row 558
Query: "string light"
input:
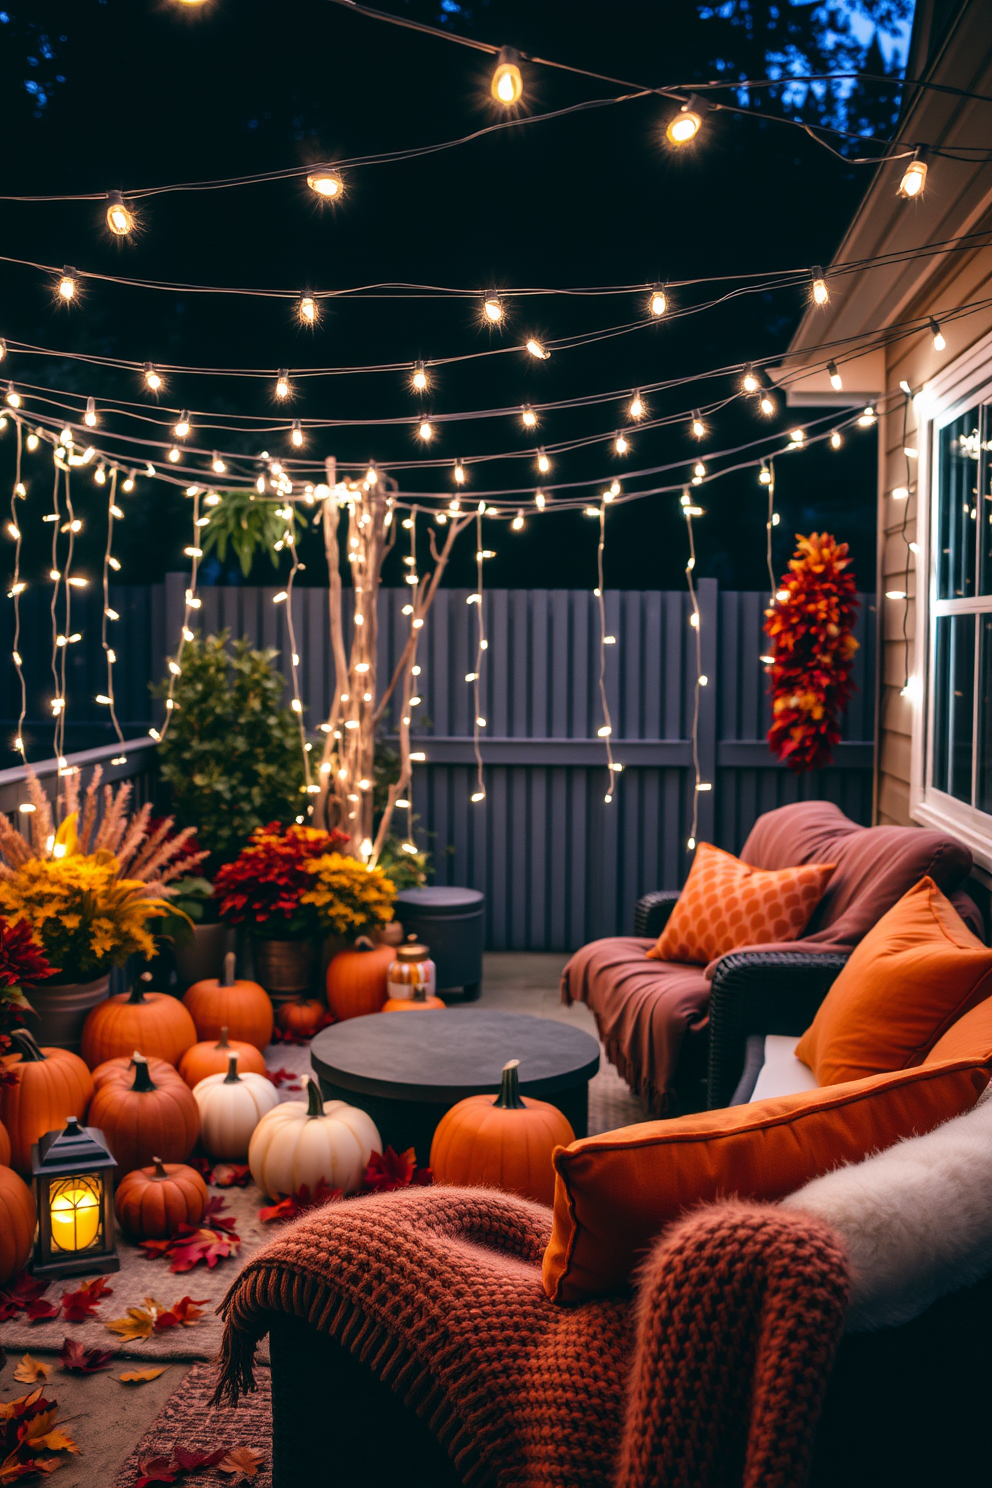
column 283, row 387
column 32, row 441
column 821, row 294
column 89, row 417
column 537, row 350
column 621, row 445
column 605, row 731
column 866, row 419
column 3, row 349
column 767, row 404
column 107, row 698
column 750, row 383
column 836, row 381
column 914, row 177
column 326, row 183
column 938, row 336
column 492, row 309
column 307, row 311
column 835, row 440
column 528, row 418
column 182, row 428
column 192, row 604
column 482, row 645
column 13, row 397
column 507, row 85
column 459, row 474
column 637, row 409
column 296, row 437
column 687, row 122
column 539, row 500
column 217, row 465
column 518, row 522
column 296, row 703
column 767, row 478
column 426, row 431
column 68, row 285
column 420, row 381
column 153, row 379
column 698, row 427
column 689, row 511
column 543, row 463
column 17, row 588
column 658, row 303
column 798, row 436
column 120, row 219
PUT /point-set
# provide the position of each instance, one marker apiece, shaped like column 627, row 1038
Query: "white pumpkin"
column 231, row 1107
column 297, row 1144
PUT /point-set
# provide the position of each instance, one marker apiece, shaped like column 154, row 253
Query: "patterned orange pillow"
column 725, row 904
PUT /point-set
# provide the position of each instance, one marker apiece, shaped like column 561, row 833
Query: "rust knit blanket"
column 713, row 1376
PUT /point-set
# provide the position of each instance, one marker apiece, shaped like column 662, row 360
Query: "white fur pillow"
column 916, row 1219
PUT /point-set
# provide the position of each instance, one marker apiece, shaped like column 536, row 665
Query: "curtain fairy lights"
column 17, row 587
column 110, row 614
column 606, row 728
column 689, row 511
column 908, row 547
column 296, row 703
column 192, row 603
column 481, row 647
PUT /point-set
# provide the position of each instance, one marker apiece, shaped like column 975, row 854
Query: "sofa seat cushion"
column 615, row 1192
column 969, row 1038
column 911, row 978
column 726, row 904
column 643, row 1009
column 782, row 1073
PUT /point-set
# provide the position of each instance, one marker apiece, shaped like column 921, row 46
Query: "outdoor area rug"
column 189, row 1421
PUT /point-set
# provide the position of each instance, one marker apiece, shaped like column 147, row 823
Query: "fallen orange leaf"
column 245, row 1461
column 29, row 1370
column 141, row 1376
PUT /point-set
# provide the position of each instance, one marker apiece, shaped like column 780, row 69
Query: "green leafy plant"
column 193, row 897
column 249, row 525
column 231, row 753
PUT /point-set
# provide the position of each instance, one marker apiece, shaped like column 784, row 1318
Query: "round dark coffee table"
column 407, row 1069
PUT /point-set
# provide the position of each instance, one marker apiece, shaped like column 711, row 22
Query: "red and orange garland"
column 810, row 625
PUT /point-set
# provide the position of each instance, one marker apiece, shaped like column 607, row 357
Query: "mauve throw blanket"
column 713, row 1377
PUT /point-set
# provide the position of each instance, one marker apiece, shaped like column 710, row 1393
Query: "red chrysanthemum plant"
column 22, row 963
column 810, row 627
column 264, row 886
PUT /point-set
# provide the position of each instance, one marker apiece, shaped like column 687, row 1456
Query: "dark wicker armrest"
column 651, row 912
column 761, row 992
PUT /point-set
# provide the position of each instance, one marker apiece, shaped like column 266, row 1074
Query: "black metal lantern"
column 73, row 1172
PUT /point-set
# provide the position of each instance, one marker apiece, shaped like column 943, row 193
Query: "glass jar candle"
column 413, row 972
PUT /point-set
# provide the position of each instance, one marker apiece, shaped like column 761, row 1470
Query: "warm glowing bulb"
column 68, row 285
column 529, row 418
column 518, row 522
column 767, row 405
column 425, row 431
column 507, row 85
column 750, row 384
column 419, row 378
column 620, row 445
column 325, row 183
column 32, row 442
column 75, row 1207
column 13, row 396
column 371, row 474
column 297, row 435
column 820, row 292
column 836, row 381
column 699, row 469
column 658, row 302
column 914, row 178
column 119, row 219
column 938, row 339
column 183, row 426
column 835, row 440
column 766, row 476
column 174, row 456
column 698, row 427
column 797, row 435
column 217, row 466
column 684, row 127
column 306, row 310
column 152, row 378
column 492, row 309
column 537, row 350
column 543, row 463
column 459, row 474
column 89, row 417
column 636, row 409
column 539, row 500
column 282, row 385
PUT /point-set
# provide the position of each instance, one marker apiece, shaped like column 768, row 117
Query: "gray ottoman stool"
column 452, row 923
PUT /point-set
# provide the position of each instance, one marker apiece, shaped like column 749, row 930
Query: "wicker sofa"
column 678, row 1033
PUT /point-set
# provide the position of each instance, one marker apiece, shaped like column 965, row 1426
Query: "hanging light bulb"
column 687, row 122
column 307, row 310
column 658, row 303
column 371, row 474
column 296, row 437
column 283, row 388
column 836, row 381
column 419, row 379
column 698, row 427
column 68, row 285
column 539, row 500
column 507, row 85
column 518, row 522
column 459, row 473
column 835, row 440
column 425, row 431
column 528, row 418
column 326, row 183
column 100, row 475
column 129, row 483
column 13, row 397
column 543, row 463
column 89, row 417
column 183, row 426
column 797, row 436
column 537, row 350
column 492, row 309
column 32, row 442
column 620, row 445
column 750, row 383
column 867, row 418
column 636, row 409
column 765, row 476
column 153, row 379
column 174, row 456
column 217, row 465
column 820, row 292
column 119, row 219
column 767, row 404
column 938, row 337
column 914, row 177
column 699, row 470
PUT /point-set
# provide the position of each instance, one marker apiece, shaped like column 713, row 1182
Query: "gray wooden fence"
column 558, row 865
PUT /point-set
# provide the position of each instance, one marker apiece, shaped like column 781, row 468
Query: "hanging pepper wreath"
column 809, row 624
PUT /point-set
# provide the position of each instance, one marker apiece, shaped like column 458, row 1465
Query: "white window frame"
column 965, row 381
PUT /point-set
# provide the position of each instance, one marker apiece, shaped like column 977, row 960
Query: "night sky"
column 134, row 93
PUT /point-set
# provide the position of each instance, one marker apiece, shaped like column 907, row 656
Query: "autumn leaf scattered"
column 138, row 1322
column 78, row 1306
column 141, row 1376
column 79, row 1360
column 168, row 1469
column 182, row 1314
column 29, row 1370
column 155, row 1317
column 289, row 1078
column 27, row 1431
column 190, row 1461
column 221, row 1175
column 244, row 1461
column 41, row 1311
column 212, row 1241
column 24, row 1293
column 390, row 1170
column 296, row 1204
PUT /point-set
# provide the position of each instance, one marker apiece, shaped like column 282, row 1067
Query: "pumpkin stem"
column 30, row 1053
column 142, row 1075
column 315, row 1099
column 232, row 1077
column 159, row 1168
column 364, row 944
column 222, row 1041
column 137, row 994
column 509, row 1098
column 227, row 980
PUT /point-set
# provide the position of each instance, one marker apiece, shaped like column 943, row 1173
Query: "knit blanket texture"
column 712, row 1375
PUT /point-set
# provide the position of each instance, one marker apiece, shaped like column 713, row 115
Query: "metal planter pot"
column 287, row 969
column 62, row 1011
column 203, row 956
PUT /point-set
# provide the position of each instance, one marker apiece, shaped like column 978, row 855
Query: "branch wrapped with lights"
column 810, row 626
column 286, row 597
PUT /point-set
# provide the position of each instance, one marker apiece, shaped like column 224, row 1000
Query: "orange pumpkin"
column 151, row 1021
column 4, row 1147
column 418, row 999
column 301, row 1018
column 356, row 980
column 243, row 1008
column 210, row 1058
column 145, row 1118
column 52, row 1085
column 153, row 1202
column 121, row 1072
column 506, row 1142
column 17, row 1222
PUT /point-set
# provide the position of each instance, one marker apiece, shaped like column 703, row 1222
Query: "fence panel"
column 558, row 864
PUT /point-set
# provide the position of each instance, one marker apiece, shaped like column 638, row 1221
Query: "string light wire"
column 482, row 645
column 606, row 730
column 695, row 620
column 109, row 651
column 16, row 590
column 191, row 605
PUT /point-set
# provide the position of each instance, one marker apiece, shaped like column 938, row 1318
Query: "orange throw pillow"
column 969, row 1038
column 616, row 1192
column 725, row 905
column 914, row 974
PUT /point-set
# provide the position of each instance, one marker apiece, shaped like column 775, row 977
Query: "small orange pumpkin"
column 138, row 1020
column 418, row 999
column 145, row 1118
column 153, row 1202
column 243, row 1008
column 210, row 1058
column 17, row 1222
column 356, row 980
column 121, row 1072
column 506, row 1142
column 4, row 1147
column 52, row 1085
column 301, row 1018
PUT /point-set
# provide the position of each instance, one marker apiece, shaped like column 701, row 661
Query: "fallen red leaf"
column 190, row 1461
column 284, row 1076
column 390, row 1170
column 157, row 1470
column 20, row 1293
column 182, row 1314
column 80, row 1305
column 79, row 1360
column 294, row 1204
column 231, row 1175
column 41, row 1311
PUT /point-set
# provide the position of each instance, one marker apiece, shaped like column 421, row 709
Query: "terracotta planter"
column 287, row 969
column 63, row 1009
column 202, row 957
